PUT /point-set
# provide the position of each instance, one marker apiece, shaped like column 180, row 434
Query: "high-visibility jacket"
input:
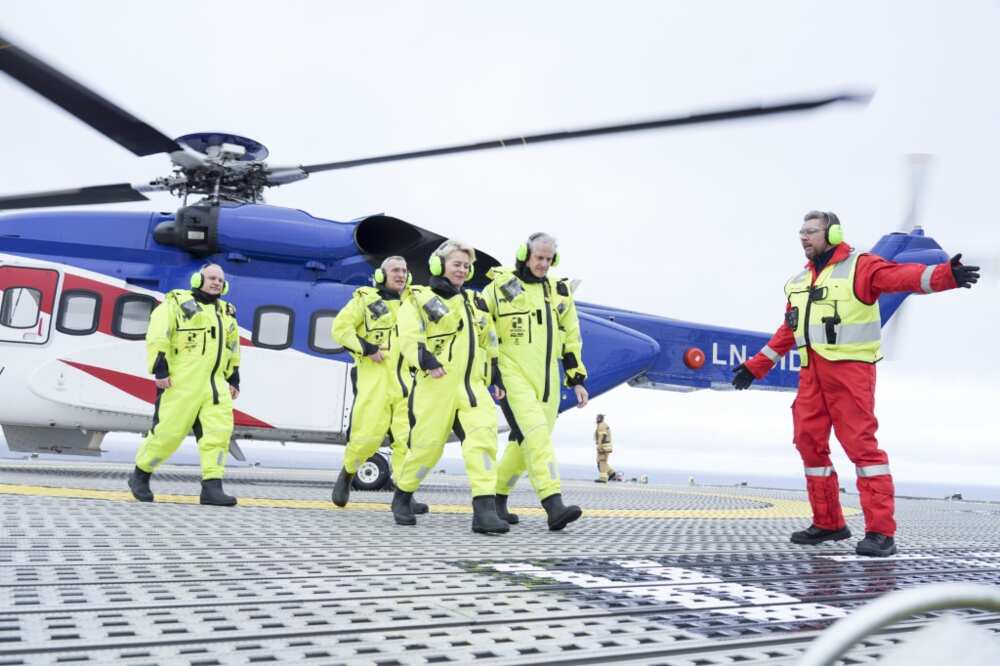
column 537, row 325
column 602, row 438
column 450, row 331
column 368, row 324
column 827, row 316
column 200, row 342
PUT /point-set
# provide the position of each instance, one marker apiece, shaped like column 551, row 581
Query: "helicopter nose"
column 613, row 354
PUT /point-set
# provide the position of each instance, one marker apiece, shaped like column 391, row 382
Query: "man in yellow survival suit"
column 367, row 328
column 193, row 349
column 536, row 323
column 447, row 334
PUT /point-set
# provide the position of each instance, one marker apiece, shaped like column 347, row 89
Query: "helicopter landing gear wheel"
column 373, row 474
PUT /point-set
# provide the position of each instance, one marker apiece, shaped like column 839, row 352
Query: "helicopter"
column 77, row 288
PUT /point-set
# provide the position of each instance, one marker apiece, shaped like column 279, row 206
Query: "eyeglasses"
column 809, row 231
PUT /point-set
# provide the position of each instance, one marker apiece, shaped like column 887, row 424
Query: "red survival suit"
column 842, row 394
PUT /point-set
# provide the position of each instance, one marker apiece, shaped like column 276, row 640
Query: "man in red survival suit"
column 833, row 319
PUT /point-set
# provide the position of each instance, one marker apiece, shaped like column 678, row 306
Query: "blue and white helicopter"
column 77, row 289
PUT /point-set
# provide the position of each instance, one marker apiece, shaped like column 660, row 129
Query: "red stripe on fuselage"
column 145, row 389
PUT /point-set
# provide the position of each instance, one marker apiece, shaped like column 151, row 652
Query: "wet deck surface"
column 651, row 574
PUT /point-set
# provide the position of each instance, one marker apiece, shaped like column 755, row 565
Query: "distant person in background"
column 602, row 439
column 193, row 351
column 367, row 328
column 833, row 319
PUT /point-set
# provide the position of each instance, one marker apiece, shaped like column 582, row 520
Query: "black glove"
column 744, row 378
column 965, row 276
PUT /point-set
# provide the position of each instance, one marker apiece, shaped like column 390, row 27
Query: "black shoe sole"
column 572, row 513
column 510, row 518
column 485, row 530
column 210, row 503
column 404, row 521
column 837, row 536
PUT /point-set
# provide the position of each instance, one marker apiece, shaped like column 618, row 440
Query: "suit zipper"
column 548, row 340
column 218, row 359
column 399, row 374
column 472, row 353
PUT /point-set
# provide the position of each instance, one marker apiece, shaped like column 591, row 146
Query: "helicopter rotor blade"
column 659, row 123
column 97, row 194
column 75, row 98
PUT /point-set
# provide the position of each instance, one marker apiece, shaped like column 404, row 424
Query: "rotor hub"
column 221, row 145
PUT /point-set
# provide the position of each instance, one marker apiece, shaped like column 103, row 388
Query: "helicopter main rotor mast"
column 228, row 167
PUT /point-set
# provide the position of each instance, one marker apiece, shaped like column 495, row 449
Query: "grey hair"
column 826, row 218
column 395, row 257
column 210, row 265
column 449, row 246
column 542, row 238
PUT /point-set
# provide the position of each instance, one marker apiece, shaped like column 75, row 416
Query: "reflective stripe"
column 487, row 461
column 801, row 276
column 553, row 473
column 770, row 353
column 800, row 341
column 819, row 471
column 925, row 280
column 873, row 470
column 842, row 270
column 848, row 334
column 513, row 481
column 422, row 472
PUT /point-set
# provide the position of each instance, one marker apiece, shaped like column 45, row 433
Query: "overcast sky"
column 697, row 224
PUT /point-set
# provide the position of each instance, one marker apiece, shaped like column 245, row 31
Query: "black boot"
column 212, row 494
column 342, row 488
column 503, row 513
column 484, row 516
column 876, row 545
column 560, row 515
column 813, row 535
column 138, row 483
column 418, row 507
column 401, row 508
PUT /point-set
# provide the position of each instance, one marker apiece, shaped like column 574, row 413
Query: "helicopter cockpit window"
column 272, row 327
column 131, row 318
column 79, row 312
column 19, row 307
column 321, row 333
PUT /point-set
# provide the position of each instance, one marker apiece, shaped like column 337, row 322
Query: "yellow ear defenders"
column 834, row 232
column 198, row 280
column 436, row 267
column 524, row 251
column 379, row 277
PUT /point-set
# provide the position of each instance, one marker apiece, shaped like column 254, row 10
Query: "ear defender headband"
column 379, row 277
column 834, row 232
column 524, row 251
column 198, row 281
column 436, row 267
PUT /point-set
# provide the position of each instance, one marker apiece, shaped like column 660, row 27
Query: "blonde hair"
column 449, row 246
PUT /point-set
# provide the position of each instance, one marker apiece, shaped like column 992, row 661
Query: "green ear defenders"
column 379, row 277
column 834, row 232
column 198, row 281
column 436, row 267
column 524, row 251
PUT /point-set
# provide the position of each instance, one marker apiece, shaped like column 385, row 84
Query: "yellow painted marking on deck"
column 774, row 508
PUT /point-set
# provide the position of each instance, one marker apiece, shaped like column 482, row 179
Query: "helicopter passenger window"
column 320, row 333
column 272, row 327
column 20, row 307
column 79, row 311
column 131, row 318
